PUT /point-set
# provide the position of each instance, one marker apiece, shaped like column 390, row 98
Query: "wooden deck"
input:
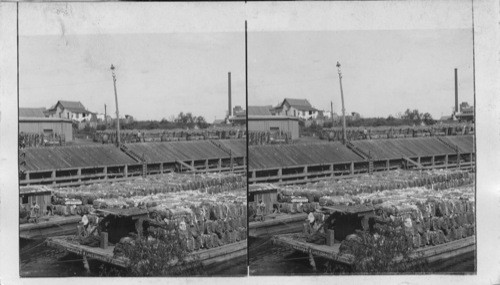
column 278, row 224
column 49, row 227
column 206, row 256
column 430, row 253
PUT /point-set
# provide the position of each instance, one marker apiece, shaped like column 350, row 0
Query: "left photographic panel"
column 132, row 139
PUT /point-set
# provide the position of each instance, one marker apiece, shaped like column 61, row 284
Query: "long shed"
column 46, row 126
column 285, row 124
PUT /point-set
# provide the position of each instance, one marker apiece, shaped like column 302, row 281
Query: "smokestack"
column 229, row 94
column 456, row 92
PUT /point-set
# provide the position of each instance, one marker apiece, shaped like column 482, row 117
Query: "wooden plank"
column 206, row 256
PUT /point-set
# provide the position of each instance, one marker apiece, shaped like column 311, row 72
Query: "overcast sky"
column 384, row 71
column 166, row 63
column 173, row 57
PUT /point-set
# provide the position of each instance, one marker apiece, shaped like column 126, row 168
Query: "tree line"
column 182, row 121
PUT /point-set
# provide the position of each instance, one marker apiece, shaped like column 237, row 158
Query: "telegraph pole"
column 331, row 111
column 344, row 134
column 117, row 112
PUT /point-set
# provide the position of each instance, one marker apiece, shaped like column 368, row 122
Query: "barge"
column 431, row 254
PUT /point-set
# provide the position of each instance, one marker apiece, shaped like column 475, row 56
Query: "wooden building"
column 47, row 126
column 273, row 124
column 263, row 193
column 39, row 194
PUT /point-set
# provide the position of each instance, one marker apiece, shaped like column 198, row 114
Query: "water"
column 266, row 259
column 39, row 260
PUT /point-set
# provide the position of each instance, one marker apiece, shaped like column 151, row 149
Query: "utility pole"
column 105, row 116
column 331, row 111
column 117, row 112
column 344, row 134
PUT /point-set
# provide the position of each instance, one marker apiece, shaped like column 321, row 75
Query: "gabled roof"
column 259, row 110
column 299, row 104
column 32, row 112
column 76, row 107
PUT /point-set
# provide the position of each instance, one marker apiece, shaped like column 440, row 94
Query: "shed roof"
column 32, row 112
column 259, row 110
column 299, row 104
column 262, row 187
column 72, row 106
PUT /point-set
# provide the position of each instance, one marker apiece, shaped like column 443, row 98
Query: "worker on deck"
column 34, row 213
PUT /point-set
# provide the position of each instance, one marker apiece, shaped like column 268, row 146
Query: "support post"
column 53, row 176
column 387, row 165
column 161, row 167
column 79, row 174
column 280, row 173
column 446, row 161
column 352, row 168
column 125, row 171
column 105, row 171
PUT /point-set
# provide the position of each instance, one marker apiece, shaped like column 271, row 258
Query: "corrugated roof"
column 259, row 110
column 183, row 151
column 273, row 156
column 465, row 144
column 398, row 148
column 32, row 112
column 63, row 157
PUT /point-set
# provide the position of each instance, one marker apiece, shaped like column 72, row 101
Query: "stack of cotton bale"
column 432, row 221
column 201, row 226
column 168, row 183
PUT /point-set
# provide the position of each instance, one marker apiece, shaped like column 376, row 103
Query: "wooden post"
column 219, row 165
column 79, row 174
column 104, row 240
column 433, row 161
column 418, row 160
column 446, row 161
column 330, row 237
column 388, row 165
column 125, row 171
column 161, row 167
column 352, row 168
column 206, row 165
column 105, row 171
column 53, row 176
column 86, row 265
column 280, row 172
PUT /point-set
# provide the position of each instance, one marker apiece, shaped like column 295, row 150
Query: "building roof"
column 32, row 112
column 299, row 104
column 259, row 110
column 36, row 119
column 76, row 107
column 264, row 187
column 265, row 118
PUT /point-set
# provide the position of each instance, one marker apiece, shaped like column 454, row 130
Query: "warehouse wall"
column 284, row 125
column 38, row 127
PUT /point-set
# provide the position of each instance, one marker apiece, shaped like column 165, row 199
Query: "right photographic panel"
column 361, row 138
